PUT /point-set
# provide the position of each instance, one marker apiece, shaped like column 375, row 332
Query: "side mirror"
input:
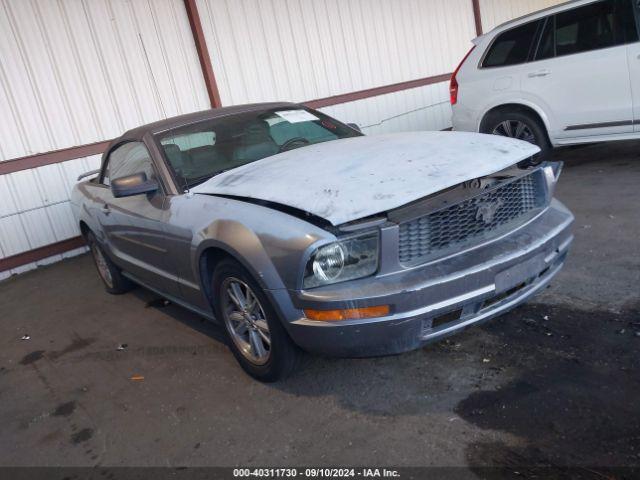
column 135, row 184
column 355, row 126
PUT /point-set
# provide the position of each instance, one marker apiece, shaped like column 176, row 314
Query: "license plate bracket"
column 517, row 274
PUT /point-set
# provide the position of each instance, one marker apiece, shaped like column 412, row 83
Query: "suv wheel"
column 114, row 282
column 256, row 336
column 522, row 126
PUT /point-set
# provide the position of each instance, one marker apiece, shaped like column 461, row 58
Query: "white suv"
column 565, row 75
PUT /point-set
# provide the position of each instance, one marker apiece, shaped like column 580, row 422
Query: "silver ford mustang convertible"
column 297, row 232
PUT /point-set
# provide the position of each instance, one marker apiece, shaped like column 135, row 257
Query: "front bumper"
column 439, row 298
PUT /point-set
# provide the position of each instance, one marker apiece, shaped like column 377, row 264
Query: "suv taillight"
column 453, row 85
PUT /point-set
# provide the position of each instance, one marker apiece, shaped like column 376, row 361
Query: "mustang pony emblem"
column 487, row 210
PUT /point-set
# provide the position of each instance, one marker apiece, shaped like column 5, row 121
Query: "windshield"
column 201, row 150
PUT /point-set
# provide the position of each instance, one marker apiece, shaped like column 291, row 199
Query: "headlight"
column 347, row 259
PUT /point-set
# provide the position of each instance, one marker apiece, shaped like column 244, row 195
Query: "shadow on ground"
column 553, row 383
column 574, row 400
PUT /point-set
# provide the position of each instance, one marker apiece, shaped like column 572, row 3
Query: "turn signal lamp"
column 347, row 314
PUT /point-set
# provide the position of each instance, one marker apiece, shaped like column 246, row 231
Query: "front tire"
column 255, row 334
column 114, row 282
column 522, row 126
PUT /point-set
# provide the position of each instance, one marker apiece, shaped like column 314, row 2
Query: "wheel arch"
column 531, row 109
column 211, row 252
column 208, row 259
column 84, row 229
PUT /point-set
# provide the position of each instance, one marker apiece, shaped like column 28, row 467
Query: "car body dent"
column 268, row 243
column 350, row 179
column 463, row 282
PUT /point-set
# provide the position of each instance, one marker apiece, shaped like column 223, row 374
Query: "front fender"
column 257, row 256
column 242, row 244
column 268, row 243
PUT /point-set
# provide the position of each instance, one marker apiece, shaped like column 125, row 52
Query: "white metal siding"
column 75, row 72
column 296, row 50
column 495, row 12
column 35, row 208
column 424, row 108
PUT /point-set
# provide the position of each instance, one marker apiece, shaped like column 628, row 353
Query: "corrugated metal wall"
column 35, row 210
column 332, row 47
column 75, row 72
column 423, row 108
column 495, row 12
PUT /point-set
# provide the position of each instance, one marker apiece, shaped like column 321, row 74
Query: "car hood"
column 349, row 179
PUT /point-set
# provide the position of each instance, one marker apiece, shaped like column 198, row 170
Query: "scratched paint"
column 353, row 178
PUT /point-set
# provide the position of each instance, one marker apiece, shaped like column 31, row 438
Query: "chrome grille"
column 475, row 219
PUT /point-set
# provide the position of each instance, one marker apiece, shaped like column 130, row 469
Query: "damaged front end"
column 445, row 262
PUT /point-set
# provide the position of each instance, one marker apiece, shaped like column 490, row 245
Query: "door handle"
column 105, row 209
column 539, row 73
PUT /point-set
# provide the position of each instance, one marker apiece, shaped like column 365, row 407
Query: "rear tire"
column 255, row 334
column 114, row 282
column 522, row 126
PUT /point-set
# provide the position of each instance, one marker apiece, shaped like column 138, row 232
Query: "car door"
column 134, row 226
column 580, row 72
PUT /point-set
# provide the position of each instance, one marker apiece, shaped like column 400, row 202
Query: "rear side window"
column 586, row 28
column 547, row 46
column 512, row 47
column 626, row 17
column 592, row 27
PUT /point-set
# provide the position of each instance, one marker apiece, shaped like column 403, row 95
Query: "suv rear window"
column 512, row 47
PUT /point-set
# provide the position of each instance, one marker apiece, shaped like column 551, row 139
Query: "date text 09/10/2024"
column 315, row 473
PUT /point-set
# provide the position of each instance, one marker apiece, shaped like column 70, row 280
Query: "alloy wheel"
column 101, row 264
column 246, row 321
column 515, row 129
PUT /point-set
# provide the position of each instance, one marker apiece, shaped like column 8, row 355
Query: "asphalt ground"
column 556, row 382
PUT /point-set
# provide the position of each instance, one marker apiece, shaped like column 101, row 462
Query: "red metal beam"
column 374, row 92
column 41, row 253
column 55, row 156
column 203, row 53
column 477, row 16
